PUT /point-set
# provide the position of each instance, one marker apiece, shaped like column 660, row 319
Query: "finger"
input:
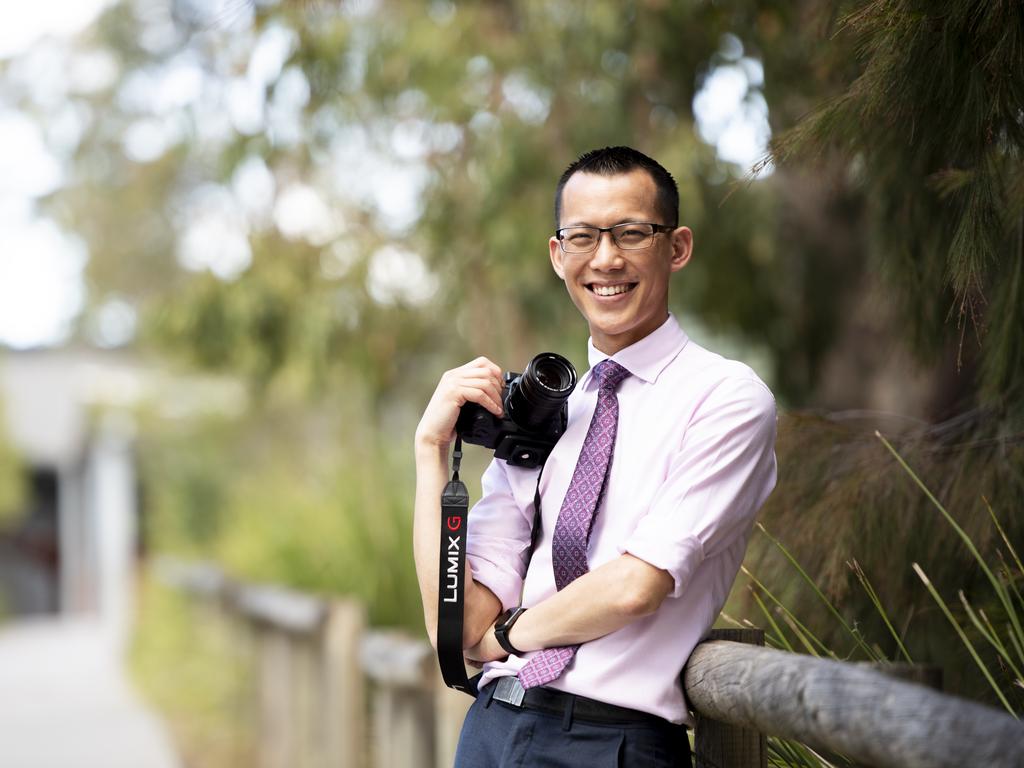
column 481, row 397
column 469, row 373
column 488, row 385
column 458, row 377
column 482, row 363
column 470, row 389
column 480, row 381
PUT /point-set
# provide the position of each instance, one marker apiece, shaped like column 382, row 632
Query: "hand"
column 487, row 649
column 476, row 382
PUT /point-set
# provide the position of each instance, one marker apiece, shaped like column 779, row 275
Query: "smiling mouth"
column 611, row 290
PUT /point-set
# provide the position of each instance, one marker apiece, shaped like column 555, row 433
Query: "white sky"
column 41, row 284
column 41, row 288
column 730, row 109
column 24, row 23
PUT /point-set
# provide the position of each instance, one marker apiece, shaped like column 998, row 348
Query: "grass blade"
column 781, row 641
column 996, row 584
column 873, row 597
column 799, row 635
column 821, row 596
column 1006, row 539
column 988, row 632
column 963, row 637
column 824, row 649
column 1017, row 632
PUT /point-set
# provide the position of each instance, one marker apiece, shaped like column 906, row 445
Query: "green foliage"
column 931, row 129
column 498, row 98
column 12, row 478
column 290, row 498
column 352, row 536
column 486, row 103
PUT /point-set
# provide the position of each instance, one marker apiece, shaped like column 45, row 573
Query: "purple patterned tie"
column 572, row 530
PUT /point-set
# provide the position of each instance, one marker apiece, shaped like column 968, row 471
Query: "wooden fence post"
column 343, row 692
column 307, row 673
column 404, row 724
column 288, row 625
column 242, row 639
column 719, row 745
column 276, row 733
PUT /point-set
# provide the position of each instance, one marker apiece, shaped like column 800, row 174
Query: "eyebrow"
column 627, row 220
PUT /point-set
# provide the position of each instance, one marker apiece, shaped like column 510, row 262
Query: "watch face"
column 505, row 617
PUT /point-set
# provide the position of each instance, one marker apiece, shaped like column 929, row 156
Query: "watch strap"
column 505, row 623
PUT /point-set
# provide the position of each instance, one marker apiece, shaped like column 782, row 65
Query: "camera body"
column 535, row 413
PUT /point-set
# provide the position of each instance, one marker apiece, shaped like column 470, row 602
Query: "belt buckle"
column 509, row 690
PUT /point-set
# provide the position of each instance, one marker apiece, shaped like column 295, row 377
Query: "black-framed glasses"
column 631, row 236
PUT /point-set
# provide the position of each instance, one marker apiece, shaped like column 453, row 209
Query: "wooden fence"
column 331, row 694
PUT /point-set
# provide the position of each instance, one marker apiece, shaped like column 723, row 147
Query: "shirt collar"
column 647, row 358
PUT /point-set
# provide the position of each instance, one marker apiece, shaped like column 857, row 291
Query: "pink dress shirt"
column 694, row 461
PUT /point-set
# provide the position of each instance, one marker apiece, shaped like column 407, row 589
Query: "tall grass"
column 848, row 510
column 996, row 628
column 1008, row 634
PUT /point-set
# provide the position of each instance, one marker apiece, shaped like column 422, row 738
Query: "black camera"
column 535, row 413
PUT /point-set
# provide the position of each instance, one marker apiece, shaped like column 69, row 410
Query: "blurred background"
column 242, row 239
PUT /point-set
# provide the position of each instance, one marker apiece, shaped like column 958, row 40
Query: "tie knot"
column 609, row 374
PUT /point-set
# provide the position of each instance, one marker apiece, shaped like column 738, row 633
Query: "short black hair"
column 611, row 161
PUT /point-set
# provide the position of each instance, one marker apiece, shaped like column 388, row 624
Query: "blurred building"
column 68, row 413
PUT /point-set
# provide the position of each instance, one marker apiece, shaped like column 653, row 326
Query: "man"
column 647, row 500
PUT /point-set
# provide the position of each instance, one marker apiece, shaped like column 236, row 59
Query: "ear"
column 557, row 255
column 682, row 247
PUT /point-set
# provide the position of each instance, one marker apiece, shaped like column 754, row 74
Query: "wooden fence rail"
column 850, row 709
column 321, row 677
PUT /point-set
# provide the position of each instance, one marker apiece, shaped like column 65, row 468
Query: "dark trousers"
column 498, row 735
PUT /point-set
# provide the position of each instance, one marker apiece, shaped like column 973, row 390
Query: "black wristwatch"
column 504, row 624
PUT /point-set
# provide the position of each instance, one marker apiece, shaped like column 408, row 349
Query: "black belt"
column 508, row 690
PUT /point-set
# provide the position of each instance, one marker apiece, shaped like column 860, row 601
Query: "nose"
column 606, row 256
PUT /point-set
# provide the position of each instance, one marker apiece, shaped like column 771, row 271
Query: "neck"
column 610, row 344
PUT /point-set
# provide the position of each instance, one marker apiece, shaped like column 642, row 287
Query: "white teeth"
column 611, row 290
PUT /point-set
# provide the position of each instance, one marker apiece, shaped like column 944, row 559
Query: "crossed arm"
column 596, row 604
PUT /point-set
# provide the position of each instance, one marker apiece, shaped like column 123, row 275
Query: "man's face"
column 625, row 317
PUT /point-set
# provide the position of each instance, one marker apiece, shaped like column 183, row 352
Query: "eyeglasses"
column 631, row 236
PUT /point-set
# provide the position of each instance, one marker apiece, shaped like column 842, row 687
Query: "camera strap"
column 452, row 572
column 535, row 533
column 452, row 578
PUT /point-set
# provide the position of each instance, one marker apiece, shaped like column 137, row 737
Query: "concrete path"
column 65, row 702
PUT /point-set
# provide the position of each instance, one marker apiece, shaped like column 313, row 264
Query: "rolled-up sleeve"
column 721, row 475
column 498, row 537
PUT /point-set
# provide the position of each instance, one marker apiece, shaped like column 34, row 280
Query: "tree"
column 931, row 130
column 927, row 132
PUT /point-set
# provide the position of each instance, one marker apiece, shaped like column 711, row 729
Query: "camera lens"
column 552, row 374
column 539, row 393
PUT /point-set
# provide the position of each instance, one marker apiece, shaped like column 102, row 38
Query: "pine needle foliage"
column 932, row 127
